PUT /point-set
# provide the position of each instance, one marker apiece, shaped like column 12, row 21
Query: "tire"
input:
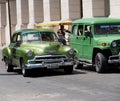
column 25, row 72
column 8, row 66
column 68, row 70
column 100, row 63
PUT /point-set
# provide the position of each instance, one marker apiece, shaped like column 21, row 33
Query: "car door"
column 16, row 39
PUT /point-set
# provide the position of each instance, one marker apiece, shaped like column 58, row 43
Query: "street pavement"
column 82, row 85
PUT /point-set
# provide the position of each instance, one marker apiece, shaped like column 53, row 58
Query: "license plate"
column 50, row 66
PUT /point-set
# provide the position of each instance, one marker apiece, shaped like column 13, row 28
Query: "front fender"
column 22, row 54
column 102, row 47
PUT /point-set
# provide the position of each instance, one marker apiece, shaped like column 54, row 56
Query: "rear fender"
column 6, row 52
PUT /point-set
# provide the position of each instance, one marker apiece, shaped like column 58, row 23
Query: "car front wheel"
column 100, row 63
column 24, row 70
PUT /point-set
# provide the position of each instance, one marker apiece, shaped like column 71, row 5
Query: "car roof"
column 96, row 21
column 33, row 30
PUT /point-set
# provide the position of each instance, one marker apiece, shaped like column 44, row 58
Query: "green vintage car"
column 37, row 48
column 97, row 41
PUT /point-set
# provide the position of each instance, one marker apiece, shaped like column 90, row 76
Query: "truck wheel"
column 68, row 70
column 100, row 63
column 24, row 70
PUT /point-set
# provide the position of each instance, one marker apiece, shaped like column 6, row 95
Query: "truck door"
column 76, row 39
column 87, row 42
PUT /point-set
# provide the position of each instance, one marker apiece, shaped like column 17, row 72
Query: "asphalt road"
column 82, row 85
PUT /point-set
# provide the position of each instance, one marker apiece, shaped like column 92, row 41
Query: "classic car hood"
column 42, row 47
column 107, row 39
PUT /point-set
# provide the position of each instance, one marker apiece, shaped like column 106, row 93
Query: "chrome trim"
column 114, row 59
column 49, row 61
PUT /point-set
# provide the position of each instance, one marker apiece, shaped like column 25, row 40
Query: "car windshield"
column 31, row 36
column 107, row 29
column 38, row 36
column 48, row 36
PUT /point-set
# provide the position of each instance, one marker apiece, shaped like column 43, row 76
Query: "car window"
column 48, row 36
column 19, row 38
column 16, row 37
column 31, row 36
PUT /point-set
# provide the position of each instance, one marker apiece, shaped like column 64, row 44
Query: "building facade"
column 19, row 14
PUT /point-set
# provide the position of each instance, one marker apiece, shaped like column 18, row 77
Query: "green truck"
column 97, row 41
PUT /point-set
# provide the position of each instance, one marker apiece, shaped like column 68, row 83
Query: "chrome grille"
column 48, row 59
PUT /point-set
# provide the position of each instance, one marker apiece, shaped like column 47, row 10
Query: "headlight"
column 71, row 51
column 114, row 44
column 29, row 53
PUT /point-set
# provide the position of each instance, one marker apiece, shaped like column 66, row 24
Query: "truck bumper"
column 115, row 59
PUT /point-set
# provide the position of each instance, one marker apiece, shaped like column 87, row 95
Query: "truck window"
column 80, row 30
column 74, row 29
column 88, row 28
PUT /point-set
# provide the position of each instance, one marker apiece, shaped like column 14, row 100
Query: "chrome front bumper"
column 49, row 61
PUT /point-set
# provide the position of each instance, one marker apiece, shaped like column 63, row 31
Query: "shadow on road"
column 38, row 73
column 6, row 74
column 56, row 72
column 111, row 69
column 52, row 72
column 15, row 72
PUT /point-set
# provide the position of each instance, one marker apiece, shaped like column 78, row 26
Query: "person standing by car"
column 61, row 34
